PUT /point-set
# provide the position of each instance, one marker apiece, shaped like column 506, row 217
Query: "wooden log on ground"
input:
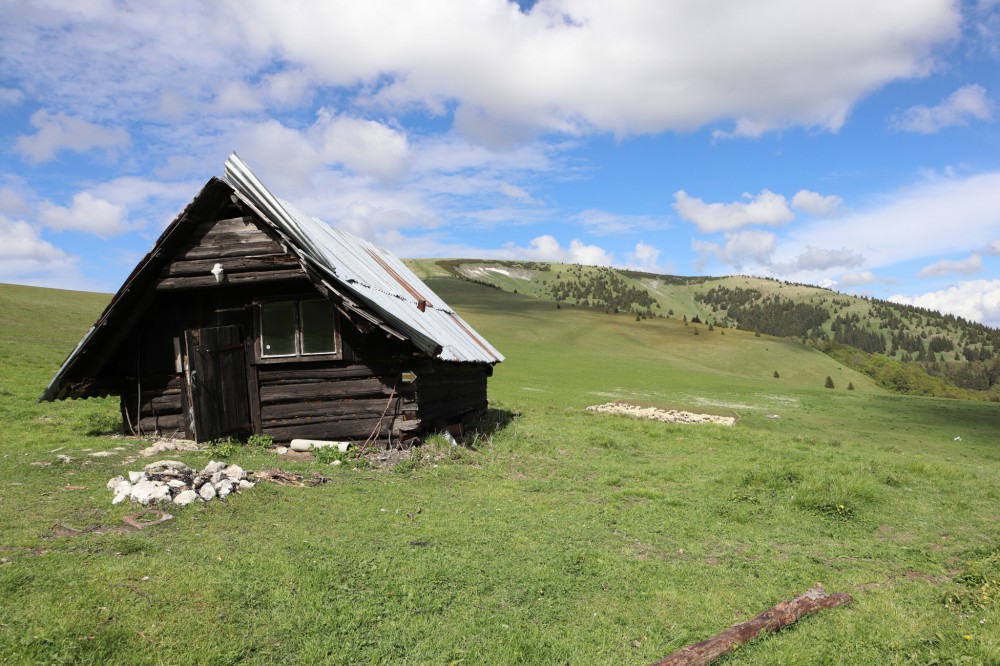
column 773, row 619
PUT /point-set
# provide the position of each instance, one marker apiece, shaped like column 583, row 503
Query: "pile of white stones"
column 666, row 415
column 170, row 481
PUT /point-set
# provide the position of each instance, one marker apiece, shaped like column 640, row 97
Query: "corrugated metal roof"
column 372, row 274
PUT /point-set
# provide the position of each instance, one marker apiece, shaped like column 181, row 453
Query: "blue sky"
column 845, row 143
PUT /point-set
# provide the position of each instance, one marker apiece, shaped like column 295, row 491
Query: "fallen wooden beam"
column 773, row 619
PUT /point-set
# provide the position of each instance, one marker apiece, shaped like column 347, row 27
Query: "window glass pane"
column 277, row 329
column 317, row 328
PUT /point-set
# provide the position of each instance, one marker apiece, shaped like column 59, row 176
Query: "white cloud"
column 547, row 248
column 766, row 208
column 815, row 203
column 993, row 247
column 10, row 96
column 936, row 216
column 605, row 223
column 752, row 246
column 645, row 257
column 88, row 214
column 364, row 146
column 238, row 97
column 515, row 192
column 965, row 104
column 58, row 132
column 977, row 300
column 969, row 266
column 854, row 279
column 26, row 257
column 821, row 259
column 12, row 203
column 627, row 67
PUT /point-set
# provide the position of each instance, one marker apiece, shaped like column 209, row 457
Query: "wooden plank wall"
column 161, row 408
column 247, row 254
column 323, row 402
column 448, row 393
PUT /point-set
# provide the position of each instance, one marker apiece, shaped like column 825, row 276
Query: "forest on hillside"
column 904, row 348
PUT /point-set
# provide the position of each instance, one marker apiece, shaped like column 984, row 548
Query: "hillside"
column 551, row 535
column 925, row 352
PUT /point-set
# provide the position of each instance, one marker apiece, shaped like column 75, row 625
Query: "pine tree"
column 776, row 375
column 829, row 382
column 850, row 386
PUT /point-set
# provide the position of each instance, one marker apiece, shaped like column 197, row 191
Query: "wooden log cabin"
column 248, row 316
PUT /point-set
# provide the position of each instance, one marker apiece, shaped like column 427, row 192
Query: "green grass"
column 563, row 537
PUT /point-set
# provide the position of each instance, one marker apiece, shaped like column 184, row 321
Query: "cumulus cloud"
column 767, row 208
column 645, row 257
column 12, row 203
column 87, row 213
column 26, row 257
column 815, row 203
column 58, row 132
column 628, row 67
column 547, row 248
column 740, row 248
column 364, row 146
column 965, row 104
column 968, row 266
column 976, row 300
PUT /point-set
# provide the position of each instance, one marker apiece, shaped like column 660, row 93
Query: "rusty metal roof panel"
column 372, row 274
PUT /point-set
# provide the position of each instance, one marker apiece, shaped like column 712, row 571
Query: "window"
column 291, row 329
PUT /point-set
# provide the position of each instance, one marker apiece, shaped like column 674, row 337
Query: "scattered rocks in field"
column 667, row 416
column 171, row 481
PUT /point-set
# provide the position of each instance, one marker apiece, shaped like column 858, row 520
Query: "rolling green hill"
column 553, row 535
column 925, row 352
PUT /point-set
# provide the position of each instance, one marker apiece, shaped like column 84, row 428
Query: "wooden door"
column 217, row 382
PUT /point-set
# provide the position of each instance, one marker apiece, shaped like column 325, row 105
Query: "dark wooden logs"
column 773, row 619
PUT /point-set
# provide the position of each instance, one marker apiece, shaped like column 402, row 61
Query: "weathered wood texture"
column 449, row 392
column 248, row 255
column 160, row 408
column 773, row 619
column 340, row 403
column 218, row 382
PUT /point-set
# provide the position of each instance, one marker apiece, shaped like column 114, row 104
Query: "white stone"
column 167, row 467
column 234, row 472
column 119, row 498
column 113, row 483
column 176, row 483
column 136, row 477
column 123, row 488
column 281, row 450
column 246, row 485
column 148, row 492
column 207, row 492
column 213, row 467
column 224, row 491
column 186, row 497
column 303, row 445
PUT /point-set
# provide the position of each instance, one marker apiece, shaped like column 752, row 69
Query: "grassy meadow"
column 558, row 536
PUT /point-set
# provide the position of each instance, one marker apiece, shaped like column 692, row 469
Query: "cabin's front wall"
column 358, row 392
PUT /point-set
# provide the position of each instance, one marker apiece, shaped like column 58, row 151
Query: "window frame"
column 299, row 356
